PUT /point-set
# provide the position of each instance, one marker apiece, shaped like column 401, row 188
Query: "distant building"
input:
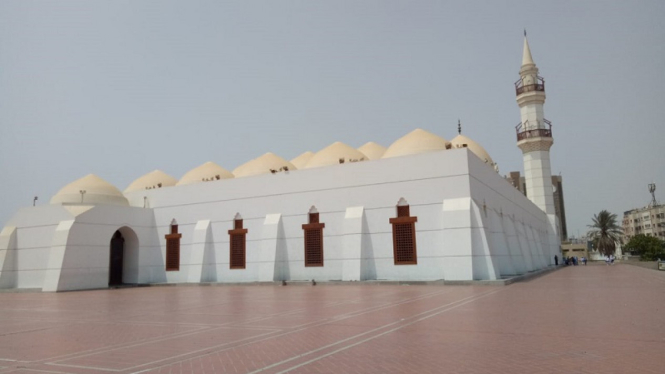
column 557, row 184
column 577, row 249
column 649, row 221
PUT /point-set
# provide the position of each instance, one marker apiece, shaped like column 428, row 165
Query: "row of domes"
column 92, row 189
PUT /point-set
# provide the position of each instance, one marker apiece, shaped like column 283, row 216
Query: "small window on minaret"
column 313, row 239
column 404, row 235
column 237, row 244
column 173, row 248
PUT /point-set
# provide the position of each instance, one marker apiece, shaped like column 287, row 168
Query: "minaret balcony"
column 525, row 131
column 521, row 88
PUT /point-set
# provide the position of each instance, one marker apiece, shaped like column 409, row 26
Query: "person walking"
column 556, row 260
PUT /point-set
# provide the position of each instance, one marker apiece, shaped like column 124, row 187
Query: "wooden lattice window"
column 313, row 239
column 404, row 236
column 173, row 248
column 237, row 244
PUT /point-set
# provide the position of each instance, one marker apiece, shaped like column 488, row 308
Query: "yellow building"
column 578, row 250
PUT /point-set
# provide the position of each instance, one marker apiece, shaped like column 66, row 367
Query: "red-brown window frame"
column 404, row 220
column 314, row 227
column 238, row 233
column 172, row 258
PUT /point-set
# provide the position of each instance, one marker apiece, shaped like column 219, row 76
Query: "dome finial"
column 459, row 126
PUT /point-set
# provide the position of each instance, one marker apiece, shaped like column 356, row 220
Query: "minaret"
column 534, row 138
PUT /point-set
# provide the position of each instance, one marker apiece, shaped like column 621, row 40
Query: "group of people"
column 574, row 260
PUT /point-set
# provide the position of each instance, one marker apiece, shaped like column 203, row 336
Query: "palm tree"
column 605, row 232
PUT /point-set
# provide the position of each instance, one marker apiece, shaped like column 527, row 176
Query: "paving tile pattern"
column 584, row 319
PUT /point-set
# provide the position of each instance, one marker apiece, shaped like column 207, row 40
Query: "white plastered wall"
column 470, row 226
column 374, row 186
column 524, row 225
column 26, row 254
column 8, row 257
column 60, row 248
column 358, row 245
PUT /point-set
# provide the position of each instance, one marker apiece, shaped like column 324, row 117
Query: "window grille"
column 404, row 236
column 237, row 245
column 173, row 248
column 313, row 239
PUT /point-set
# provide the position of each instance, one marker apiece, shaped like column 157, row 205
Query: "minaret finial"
column 526, row 53
column 459, row 127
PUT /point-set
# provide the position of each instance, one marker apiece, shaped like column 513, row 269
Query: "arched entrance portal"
column 117, row 258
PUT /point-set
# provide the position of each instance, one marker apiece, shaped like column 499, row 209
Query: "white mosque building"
column 423, row 209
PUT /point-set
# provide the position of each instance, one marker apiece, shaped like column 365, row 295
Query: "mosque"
column 423, row 209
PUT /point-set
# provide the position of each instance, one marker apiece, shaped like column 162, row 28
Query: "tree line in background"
column 649, row 248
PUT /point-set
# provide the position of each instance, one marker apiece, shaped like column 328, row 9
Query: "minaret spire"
column 526, row 54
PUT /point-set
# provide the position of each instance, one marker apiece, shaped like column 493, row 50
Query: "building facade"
column 649, row 221
column 422, row 209
column 577, row 249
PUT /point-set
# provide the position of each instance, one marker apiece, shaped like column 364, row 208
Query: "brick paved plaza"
column 593, row 319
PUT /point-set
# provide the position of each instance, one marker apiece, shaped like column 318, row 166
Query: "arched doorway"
column 116, row 259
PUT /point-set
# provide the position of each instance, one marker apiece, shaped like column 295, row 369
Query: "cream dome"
column 461, row 141
column 302, row 160
column 154, row 179
column 97, row 191
column 209, row 171
column 332, row 154
column 263, row 165
column 417, row 141
column 238, row 170
column 372, row 150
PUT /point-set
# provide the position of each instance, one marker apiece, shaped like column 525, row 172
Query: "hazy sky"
column 120, row 88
